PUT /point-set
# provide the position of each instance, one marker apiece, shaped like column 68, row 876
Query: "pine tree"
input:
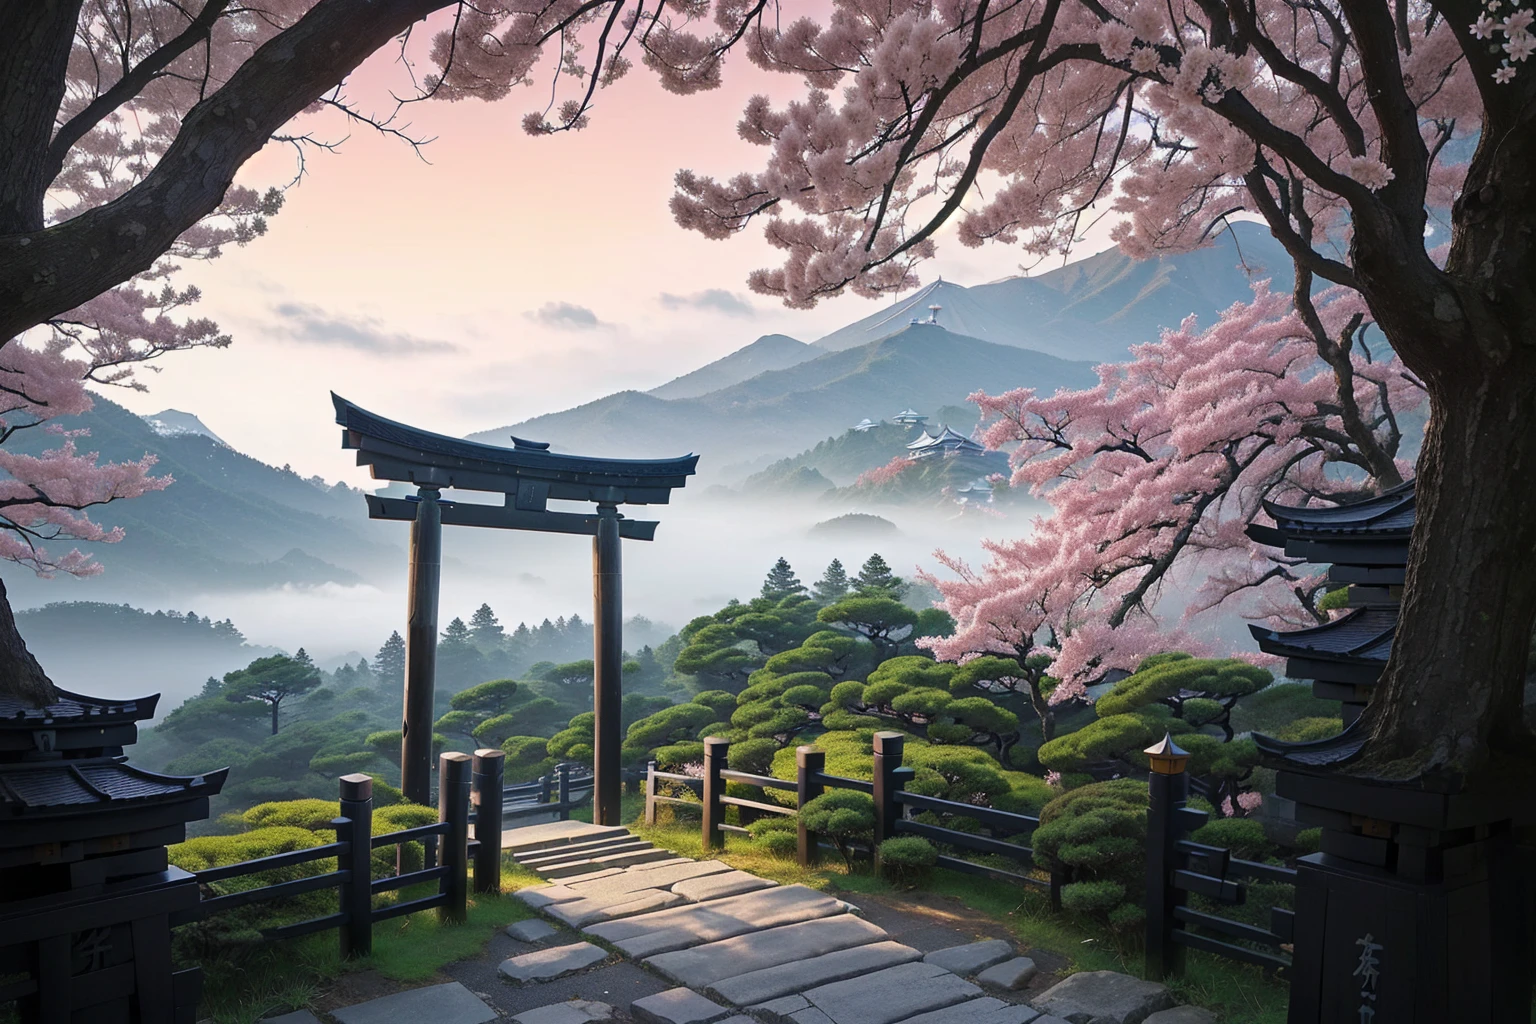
column 484, row 627
column 456, row 633
column 833, row 585
column 303, row 658
column 782, row 582
column 389, row 663
column 875, row 579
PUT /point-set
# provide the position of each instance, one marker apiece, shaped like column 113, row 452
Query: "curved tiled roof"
column 72, row 709
column 1364, row 635
column 1388, row 515
column 29, row 789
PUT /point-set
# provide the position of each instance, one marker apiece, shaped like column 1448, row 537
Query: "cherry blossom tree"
column 1332, row 120
column 1339, row 123
column 1154, row 474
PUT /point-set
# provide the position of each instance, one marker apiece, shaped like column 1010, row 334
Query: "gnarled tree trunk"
column 21, row 676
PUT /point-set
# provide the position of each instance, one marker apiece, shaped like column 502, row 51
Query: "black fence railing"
column 1178, row 867
column 462, row 781
column 894, row 808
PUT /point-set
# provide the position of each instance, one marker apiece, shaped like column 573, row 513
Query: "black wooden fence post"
column 355, row 826
column 489, row 775
column 544, row 788
column 1167, row 789
column 809, row 765
column 453, row 771
column 650, row 792
column 889, row 779
column 715, row 751
column 563, row 789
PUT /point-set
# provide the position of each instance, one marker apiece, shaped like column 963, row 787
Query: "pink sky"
column 416, row 289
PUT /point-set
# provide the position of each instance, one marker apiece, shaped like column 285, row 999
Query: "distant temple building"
column 864, row 425
column 908, row 418
column 947, row 444
column 978, row 492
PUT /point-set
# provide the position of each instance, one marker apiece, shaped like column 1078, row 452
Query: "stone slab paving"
column 553, row 834
column 678, row 1006
column 972, row 957
column 719, row 886
column 979, row 1011
column 1104, row 997
column 780, row 1009
column 616, row 982
column 702, row 966
column 603, row 842
column 692, row 925
column 646, row 876
column 578, row 913
column 441, row 1004
column 531, row 930
column 543, row 964
column 537, row 859
column 1008, row 976
column 582, row 866
column 891, row 995
column 572, row 1011
column 810, row 1015
column 758, row 987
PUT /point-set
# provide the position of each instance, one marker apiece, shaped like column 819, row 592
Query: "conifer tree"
column 833, row 585
column 782, row 582
column 389, row 663
column 875, row 579
column 457, row 632
column 485, row 628
column 303, row 658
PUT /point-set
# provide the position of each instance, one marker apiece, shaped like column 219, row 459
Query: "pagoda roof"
column 1387, row 516
column 40, row 788
column 910, row 414
column 74, row 709
column 1360, row 638
column 946, row 438
column 528, row 469
column 925, row 441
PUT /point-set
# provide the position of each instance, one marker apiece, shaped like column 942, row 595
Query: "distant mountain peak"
column 768, row 353
column 175, row 423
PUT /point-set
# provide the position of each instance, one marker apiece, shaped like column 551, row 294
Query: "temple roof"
column 1387, row 516
column 946, row 438
column 1363, row 636
column 909, row 414
column 396, row 451
column 74, row 709
column 34, row 789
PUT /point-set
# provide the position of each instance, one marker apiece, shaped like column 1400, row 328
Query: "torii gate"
column 527, row 475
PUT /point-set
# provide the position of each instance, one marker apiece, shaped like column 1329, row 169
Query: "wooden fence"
column 894, row 809
column 456, row 850
column 1177, row 866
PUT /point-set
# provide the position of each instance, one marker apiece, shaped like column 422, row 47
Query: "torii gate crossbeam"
column 527, row 475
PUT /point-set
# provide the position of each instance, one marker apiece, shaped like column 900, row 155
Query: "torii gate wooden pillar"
column 527, row 476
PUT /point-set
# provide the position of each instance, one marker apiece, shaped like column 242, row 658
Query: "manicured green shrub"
column 1098, row 834
column 674, row 756
column 906, row 861
column 1308, row 840
column 315, row 815
column 1243, row 836
column 843, row 816
column 776, row 833
column 239, row 930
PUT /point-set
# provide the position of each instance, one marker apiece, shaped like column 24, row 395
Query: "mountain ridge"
column 767, row 353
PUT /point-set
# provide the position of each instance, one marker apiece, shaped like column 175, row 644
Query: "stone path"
column 635, row 933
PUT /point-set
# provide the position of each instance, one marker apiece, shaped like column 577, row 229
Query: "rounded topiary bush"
column 1308, row 840
column 1243, row 836
column 315, row 815
column 906, row 861
column 1097, row 835
column 239, row 930
column 754, row 756
column 843, row 816
column 776, row 833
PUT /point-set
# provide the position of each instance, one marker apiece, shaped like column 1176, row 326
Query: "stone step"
column 544, row 964
column 529, row 857
column 891, row 995
column 697, row 923
column 571, row 1011
column 449, row 1004
column 578, row 913
column 606, row 872
column 985, row 1010
column 553, row 834
column 972, row 957
column 702, row 966
column 786, row 979
column 538, row 860
column 716, row 887
column 677, row 1006
column 647, row 876
column 565, row 869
